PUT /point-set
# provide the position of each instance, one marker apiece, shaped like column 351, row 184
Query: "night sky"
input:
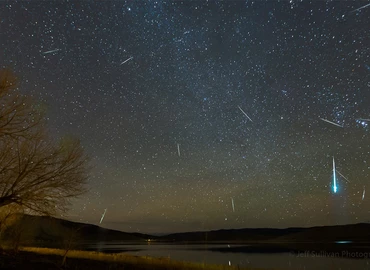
column 201, row 115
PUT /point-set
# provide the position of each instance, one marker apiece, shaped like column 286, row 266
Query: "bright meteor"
column 334, row 178
column 103, row 216
column 47, row 52
column 232, row 203
column 128, row 59
column 245, row 113
column 360, row 8
column 178, row 150
column 330, row 122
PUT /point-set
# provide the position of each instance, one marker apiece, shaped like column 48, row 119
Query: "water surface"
column 245, row 255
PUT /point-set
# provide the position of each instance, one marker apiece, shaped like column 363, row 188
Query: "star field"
column 184, row 106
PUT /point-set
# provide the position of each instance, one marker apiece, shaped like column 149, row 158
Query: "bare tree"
column 35, row 172
column 18, row 116
column 70, row 241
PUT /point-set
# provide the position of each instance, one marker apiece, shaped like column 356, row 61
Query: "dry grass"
column 125, row 261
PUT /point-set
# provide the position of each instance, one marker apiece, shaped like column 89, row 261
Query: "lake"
column 245, row 255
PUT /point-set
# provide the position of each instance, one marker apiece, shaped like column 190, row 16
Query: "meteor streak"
column 334, row 178
column 245, row 113
column 128, row 59
column 343, row 176
column 178, row 150
column 330, row 122
column 47, row 52
column 360, row 8
column 102, row 217
column 232, row 203
column 363, row 194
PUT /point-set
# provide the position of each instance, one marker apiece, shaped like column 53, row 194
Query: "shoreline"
column 51, row 258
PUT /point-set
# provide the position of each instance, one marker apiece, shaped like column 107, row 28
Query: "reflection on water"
column 245, row 256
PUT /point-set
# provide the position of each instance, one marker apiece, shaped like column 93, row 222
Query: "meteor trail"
column 128, row 59
column 47, row 52
column 360, row 8
column 330, row 122
column 245, row 113
column 343, row 176
column 362, row 119
column 102, row 217
column 232, row 203
column 178, row 150
column 334, row 178
column 363, row 194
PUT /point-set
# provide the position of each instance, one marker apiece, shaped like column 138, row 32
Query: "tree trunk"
column 5, row 200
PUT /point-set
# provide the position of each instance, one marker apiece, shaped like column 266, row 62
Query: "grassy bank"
column 46, row 258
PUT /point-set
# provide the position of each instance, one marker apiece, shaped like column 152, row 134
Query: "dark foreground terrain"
column 29, row 260
column 42, row 258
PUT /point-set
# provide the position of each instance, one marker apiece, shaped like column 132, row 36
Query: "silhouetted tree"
column 35, row 172
column 71, row 238
column 18, row 117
